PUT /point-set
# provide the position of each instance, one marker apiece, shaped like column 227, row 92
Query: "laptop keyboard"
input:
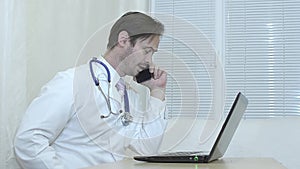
column 185, row 153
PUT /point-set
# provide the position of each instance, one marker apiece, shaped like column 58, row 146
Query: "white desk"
column 226, row 163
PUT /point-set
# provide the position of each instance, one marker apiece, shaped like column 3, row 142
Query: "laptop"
column 220, row 146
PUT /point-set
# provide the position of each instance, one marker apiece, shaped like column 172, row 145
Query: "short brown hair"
column 137, row 25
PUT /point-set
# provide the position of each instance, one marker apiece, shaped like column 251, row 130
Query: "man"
column 75, row 123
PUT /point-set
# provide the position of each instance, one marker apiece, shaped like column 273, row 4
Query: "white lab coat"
column 62, row 127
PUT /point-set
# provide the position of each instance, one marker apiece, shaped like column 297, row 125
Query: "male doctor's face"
column 140, row 55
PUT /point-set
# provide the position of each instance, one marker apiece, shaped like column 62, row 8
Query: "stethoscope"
column 125, row 117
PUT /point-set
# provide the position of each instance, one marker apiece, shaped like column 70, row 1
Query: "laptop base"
column 174, row 159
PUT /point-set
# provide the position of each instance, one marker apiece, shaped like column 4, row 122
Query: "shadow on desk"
column 226, row 163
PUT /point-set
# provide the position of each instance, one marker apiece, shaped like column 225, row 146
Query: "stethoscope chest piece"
column 126, row 118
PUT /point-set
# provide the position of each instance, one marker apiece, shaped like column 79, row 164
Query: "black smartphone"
column 144, row 75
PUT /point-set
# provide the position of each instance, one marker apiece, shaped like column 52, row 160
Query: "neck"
column 115, row 60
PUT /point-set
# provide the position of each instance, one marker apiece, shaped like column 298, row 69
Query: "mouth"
column 139, row 70
column 143, row 67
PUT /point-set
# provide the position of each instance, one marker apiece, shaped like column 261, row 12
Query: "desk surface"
column 226, row 163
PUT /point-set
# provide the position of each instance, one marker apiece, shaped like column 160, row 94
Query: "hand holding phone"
column 144, row 76
column 157, row 84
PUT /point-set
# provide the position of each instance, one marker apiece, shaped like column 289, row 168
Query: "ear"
column 123, row 38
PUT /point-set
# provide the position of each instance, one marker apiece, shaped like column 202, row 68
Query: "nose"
column 149, row 59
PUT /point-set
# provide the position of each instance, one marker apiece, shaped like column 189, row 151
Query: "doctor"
column 89, row 115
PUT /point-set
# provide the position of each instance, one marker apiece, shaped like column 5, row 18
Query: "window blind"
column 260, row 53
column 262, row 50
column 190, row 86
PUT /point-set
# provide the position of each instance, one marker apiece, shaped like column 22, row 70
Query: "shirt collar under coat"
column 102, row 76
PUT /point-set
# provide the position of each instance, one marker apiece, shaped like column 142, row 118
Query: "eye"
column 147, row 51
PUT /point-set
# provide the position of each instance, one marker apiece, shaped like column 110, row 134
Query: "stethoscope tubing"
column 125, row 118
column 96, row 81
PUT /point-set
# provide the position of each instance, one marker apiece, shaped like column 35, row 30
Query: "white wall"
column 58, row 30
column 40, row 38
column 278, row 138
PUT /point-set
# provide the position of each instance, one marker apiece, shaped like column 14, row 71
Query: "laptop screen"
column 229, row 127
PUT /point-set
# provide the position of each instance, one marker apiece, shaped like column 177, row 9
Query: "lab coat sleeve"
column 44, row 119
column 150, row 127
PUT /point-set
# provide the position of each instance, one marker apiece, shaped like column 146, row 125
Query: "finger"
column 159, row 73
column 156, row 72
column 151, row 68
